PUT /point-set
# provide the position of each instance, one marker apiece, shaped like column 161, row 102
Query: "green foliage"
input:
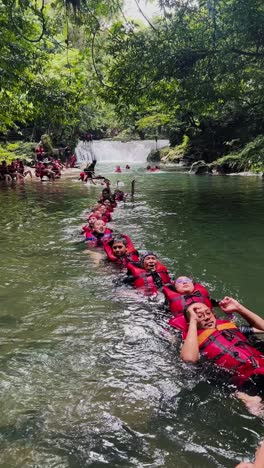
column 152, row 122
column 47, row 144
column 227, row 164
column 79, row 66
column 202, row 66
column 127, row 135
column 168, row 154
column 251, row 158
column 11, row 151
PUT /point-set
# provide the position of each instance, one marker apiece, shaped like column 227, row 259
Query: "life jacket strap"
column 202, row 337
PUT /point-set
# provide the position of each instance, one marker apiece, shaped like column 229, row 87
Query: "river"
column 88, row 374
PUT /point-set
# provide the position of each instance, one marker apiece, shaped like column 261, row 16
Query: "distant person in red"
column 43, row 169
column 118, row 169
column 40, row 152
column 119, row 195
column 12, row 169
column 73, row 161
column 56, row 168
column 21, row 172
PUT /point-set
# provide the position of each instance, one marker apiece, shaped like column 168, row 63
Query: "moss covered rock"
column 250, row 158
column 200, row 167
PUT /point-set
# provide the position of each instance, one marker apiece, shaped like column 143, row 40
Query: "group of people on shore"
column 50, row 168
column 13, row 171
column 190, row 306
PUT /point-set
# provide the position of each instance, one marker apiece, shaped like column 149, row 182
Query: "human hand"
column 193, row 316
column 229, row 305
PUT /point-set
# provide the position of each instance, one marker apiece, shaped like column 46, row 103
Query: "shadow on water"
column 90, row 373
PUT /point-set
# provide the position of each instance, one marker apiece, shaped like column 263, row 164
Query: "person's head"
column 107, row 203
column 105, row 193
column 102, row 209
column 98, row 214
column 99, row 226
column 119, row 246
column 205, row 316
column 149, row 261
column 184, row 285
column 91, row 220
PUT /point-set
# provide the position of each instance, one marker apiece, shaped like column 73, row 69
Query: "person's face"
column 205, row 316
column 150, row 263
column 184, row 285
column 98, row 214
column 103, row 209
column 99, row 226
column 107, row 204
column 92, row 220
column 119, row 249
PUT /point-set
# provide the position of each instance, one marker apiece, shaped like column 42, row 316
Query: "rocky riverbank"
column 249, row 159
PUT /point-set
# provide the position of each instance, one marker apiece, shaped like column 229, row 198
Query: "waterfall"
column 108, row 151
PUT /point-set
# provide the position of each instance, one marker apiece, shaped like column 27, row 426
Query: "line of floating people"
column 189, row 304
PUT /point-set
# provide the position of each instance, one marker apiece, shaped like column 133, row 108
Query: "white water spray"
column 108, row 151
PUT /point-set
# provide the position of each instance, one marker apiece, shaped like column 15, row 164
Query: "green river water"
column 87, row 374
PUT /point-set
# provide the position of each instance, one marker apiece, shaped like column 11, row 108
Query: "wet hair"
column 186, row 313
column 118, row 238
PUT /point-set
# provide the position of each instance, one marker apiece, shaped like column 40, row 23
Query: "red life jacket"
column 228, row 348
column 86, row 229
column 178, row 302
column 144, row 280
column 93, row 241
column 131, row 255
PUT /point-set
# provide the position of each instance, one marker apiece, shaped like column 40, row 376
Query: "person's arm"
column 190, row 348
column 230, row 305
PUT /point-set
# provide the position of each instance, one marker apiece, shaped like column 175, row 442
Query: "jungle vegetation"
column 193, row 74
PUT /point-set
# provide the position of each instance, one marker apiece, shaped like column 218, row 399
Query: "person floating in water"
column 98, row 235
column 121, row 250
column 183, row 292
column 226, row 345
column 149, row 275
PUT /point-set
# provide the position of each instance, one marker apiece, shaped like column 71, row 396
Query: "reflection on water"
column 89, row 375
